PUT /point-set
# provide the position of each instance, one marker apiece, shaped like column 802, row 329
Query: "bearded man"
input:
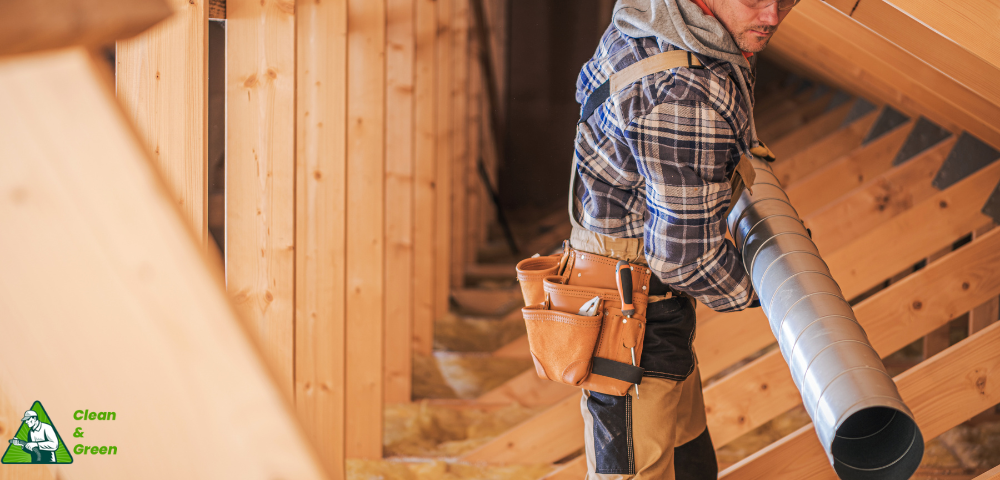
column 660, row 157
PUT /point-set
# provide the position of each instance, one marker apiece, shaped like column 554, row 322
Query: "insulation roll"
column 864, row 426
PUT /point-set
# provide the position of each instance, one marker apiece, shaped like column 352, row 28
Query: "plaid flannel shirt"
column 654, row 161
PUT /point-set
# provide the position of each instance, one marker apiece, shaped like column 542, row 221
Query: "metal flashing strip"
column 925, row 134
column 888, row 120
column 861, row 108
column 968, row 156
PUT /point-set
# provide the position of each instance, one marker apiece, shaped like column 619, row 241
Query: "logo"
column 37, row 440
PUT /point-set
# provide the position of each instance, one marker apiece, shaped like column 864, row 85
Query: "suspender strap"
column 617, row 370
column 657, row 63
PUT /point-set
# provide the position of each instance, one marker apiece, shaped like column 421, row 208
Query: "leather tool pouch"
column 591, row 352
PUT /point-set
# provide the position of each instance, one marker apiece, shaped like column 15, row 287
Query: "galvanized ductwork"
column 863, row 424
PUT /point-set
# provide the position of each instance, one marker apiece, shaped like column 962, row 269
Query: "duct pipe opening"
column 877, row 443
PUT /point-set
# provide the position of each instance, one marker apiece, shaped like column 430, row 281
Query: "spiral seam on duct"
column 833, row 364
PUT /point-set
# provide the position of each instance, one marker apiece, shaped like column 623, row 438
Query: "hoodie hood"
column 683, row 24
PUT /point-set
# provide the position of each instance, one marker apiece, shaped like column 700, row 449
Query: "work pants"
column 661, row 433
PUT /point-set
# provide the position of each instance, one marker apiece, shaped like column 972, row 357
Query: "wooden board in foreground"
column 103, row 275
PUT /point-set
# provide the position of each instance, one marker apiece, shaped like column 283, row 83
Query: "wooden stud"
column 425, row 174
column 399, row 191
column 321, row 229
column 48, row 24
column 162, row 82
column 365, row 275
column 517, row 348
column 940, row 339
column 460, row 146
column 142, row 325
column 474, row 193
column 927, row 299
column 445, row 156
column 571, row 470
column 260, row 174
column 942, row 392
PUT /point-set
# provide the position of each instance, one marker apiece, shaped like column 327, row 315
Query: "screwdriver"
column 623, row 277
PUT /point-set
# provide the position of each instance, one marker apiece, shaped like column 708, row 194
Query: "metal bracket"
column 925, row 134
column 968, row 156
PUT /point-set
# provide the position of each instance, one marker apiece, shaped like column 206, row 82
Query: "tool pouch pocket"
column 562, row 344
column 530, row 274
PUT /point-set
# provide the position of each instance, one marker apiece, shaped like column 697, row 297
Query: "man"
column 42, row 440
column 654, row 176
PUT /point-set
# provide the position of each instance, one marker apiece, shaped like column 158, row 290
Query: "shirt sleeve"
column 51, row 441
column 681, row 150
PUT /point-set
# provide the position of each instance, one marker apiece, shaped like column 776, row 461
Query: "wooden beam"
column 916, row 85
column 879, row 200
column 560, row 436
column 321, row 229
column 517, row 348
column 987, row 313
column 529, row 390
column 942, row 53
column 850, row 171
column 260, row 174
column 925, row 300
column 993, row 474
column 893, row 247
column 811, row 132
column 142, row 325
column 970, row 24
column 942, row 392
column 162, row 82
column 793, row 168
column 425, row 174
column 47, row 24
column 399, row 212
column 461, row 154
column 445, row 155
column 365, row 275
column 777, row 128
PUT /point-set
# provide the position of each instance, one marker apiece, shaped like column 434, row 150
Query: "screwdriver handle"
column 623, row 276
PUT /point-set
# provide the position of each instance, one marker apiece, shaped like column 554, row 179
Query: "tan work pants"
column 666, row 415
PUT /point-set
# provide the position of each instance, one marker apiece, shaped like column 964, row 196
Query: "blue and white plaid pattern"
column 655, row 161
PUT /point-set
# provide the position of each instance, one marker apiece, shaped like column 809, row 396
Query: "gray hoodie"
column 684, row 24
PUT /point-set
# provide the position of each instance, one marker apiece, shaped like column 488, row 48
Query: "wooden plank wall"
column 162, row 82
column 353, row 202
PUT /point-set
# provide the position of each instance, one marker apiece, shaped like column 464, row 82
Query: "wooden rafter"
column 971, row 24
column 831, row 147
column 142, row 323
column 830, row 38
column 46, row 24
column 942, row 392
column 811, row 132
column 929, row 298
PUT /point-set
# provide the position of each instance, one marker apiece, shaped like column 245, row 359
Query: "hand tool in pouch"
column 623, row 276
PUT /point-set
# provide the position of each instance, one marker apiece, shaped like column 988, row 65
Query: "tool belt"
column 591, row 352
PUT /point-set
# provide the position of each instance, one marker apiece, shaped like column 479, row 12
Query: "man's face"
column 751, row 27
column 32, row 422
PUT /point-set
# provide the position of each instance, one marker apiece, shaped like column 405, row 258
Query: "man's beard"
column 747, row 40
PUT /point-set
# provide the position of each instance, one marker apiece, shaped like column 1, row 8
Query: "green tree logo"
column 33, row 442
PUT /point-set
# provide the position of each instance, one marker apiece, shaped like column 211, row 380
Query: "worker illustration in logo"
column 43, row 440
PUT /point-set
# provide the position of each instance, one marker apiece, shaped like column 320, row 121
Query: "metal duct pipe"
column 859, row 417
